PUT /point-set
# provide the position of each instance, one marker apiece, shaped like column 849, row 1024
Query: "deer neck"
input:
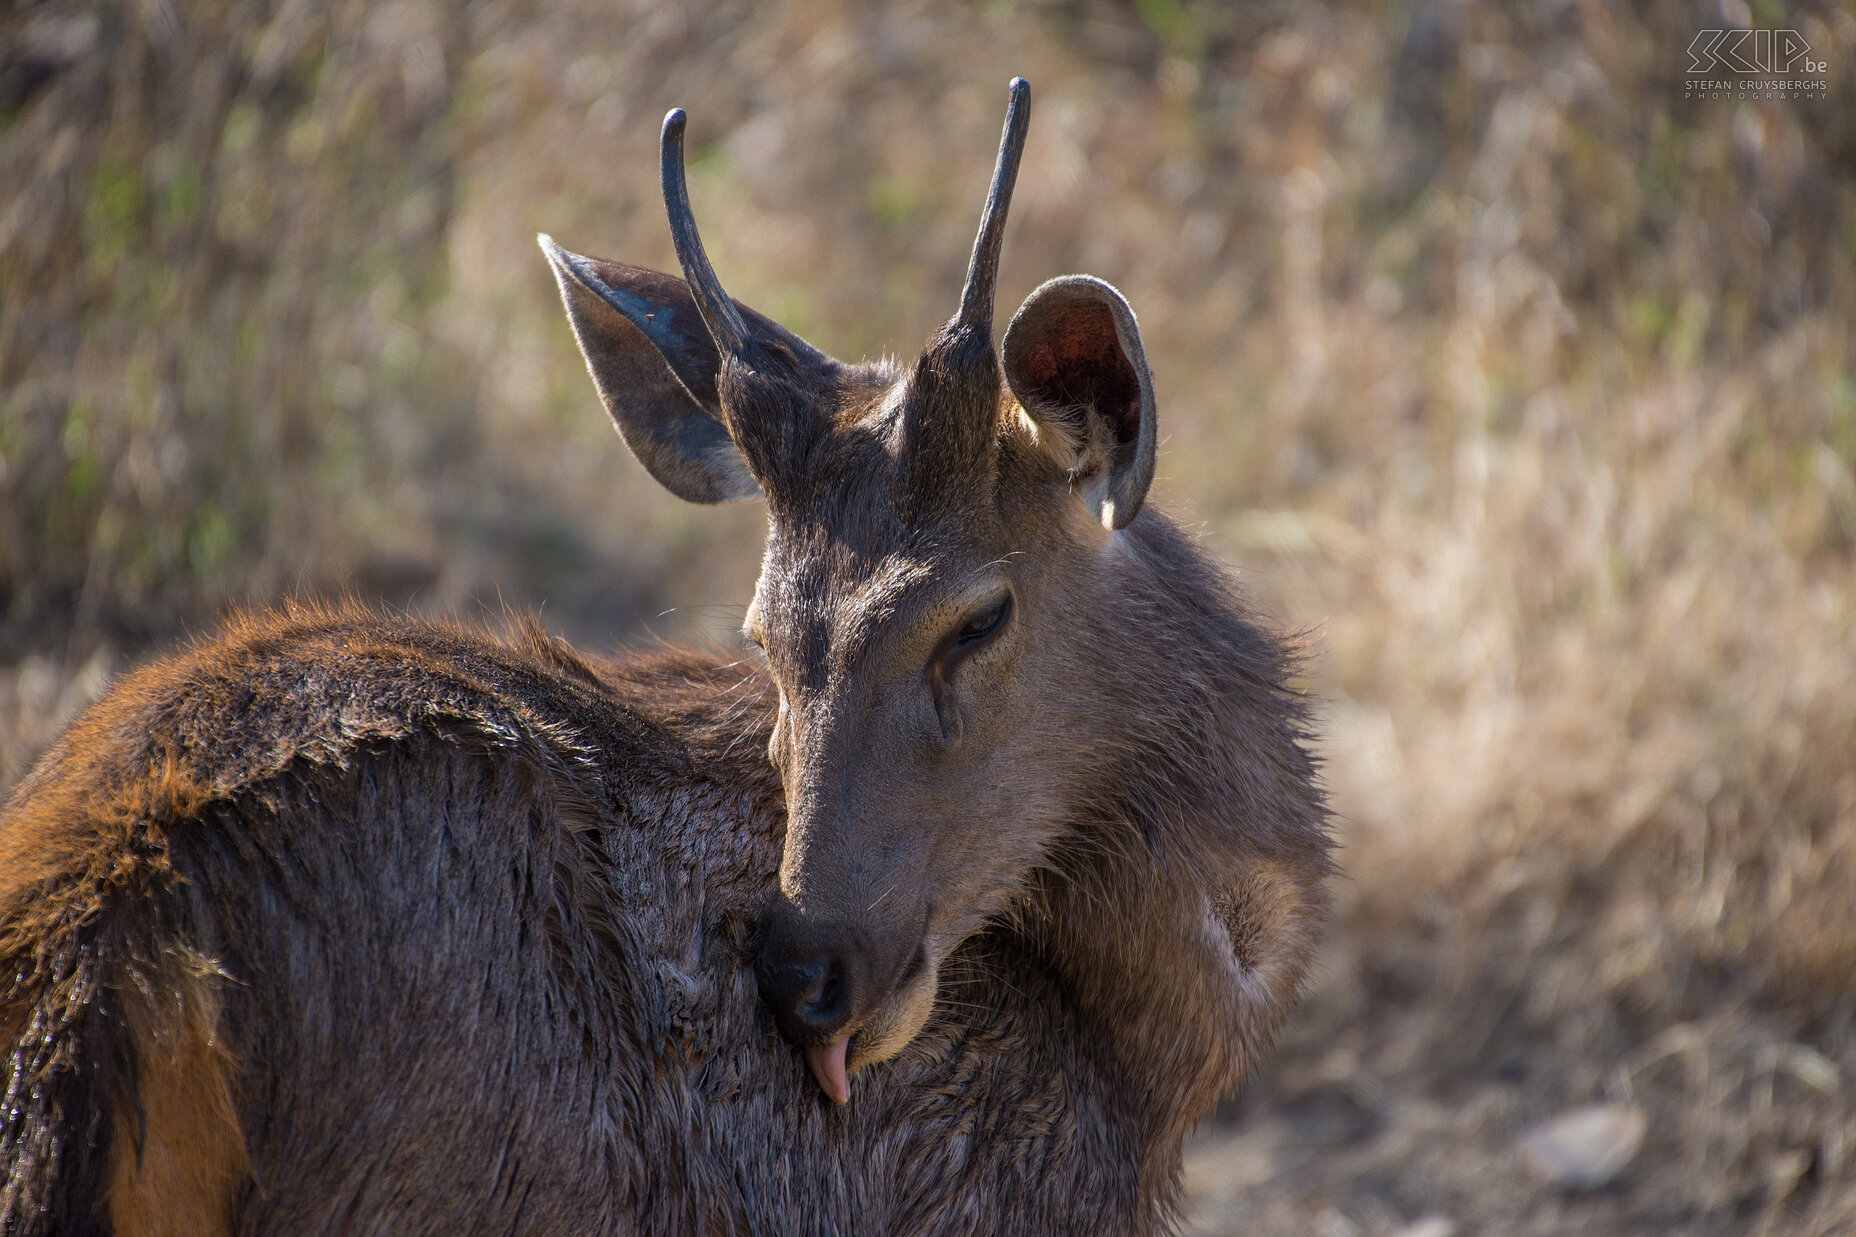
column 1181, row 908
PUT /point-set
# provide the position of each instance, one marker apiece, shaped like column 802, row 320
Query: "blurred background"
column 1520, row 378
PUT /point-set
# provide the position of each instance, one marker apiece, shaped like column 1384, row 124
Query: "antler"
column 983, row 270
column 718, row 312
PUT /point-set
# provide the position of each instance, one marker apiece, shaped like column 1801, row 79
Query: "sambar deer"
column 947, row 912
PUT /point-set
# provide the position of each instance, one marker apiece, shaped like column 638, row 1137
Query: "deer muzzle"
column 840, row 994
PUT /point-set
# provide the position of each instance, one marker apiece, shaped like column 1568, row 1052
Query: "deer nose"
column 809, row 974
column 810, row 994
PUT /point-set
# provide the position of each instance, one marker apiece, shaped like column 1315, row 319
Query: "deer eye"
column 984, row 626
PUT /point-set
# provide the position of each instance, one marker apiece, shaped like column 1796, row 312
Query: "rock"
column 1333, row 1222
column 1429, row 1226
column 1585, row 1147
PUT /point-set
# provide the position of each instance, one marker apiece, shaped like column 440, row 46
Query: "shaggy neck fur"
column 1181, row 905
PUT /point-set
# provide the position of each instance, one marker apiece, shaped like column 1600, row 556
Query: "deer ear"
column 1073, row 359
column 655, row 365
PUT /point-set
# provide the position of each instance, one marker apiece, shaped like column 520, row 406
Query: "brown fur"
column 177, row 1156
column 253, row 812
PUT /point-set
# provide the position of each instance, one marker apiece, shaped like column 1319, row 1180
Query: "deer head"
column 939, row 605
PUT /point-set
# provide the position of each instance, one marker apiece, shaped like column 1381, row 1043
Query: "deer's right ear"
column 654, row 365
column 1073, row 359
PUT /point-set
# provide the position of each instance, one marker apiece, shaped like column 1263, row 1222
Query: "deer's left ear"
column 1073, row 359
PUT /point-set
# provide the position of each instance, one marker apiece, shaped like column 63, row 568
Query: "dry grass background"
column 1525, row 381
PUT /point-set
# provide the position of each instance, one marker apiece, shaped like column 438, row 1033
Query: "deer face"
column 897, row 654
column 936, row 535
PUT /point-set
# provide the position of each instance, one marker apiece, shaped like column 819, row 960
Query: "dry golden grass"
column 1524, row 381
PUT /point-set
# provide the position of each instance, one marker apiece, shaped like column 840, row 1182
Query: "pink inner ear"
column 1077, row 360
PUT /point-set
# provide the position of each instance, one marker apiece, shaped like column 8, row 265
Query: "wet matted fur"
column 341, row 923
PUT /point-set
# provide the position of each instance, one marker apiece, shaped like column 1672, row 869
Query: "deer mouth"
column 831, row 999
column 887, row 1031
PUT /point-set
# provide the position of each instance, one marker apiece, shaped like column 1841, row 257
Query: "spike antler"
column 983, row 271
column 718, row 312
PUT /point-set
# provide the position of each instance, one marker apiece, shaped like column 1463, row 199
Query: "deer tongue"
column 827, row 1062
